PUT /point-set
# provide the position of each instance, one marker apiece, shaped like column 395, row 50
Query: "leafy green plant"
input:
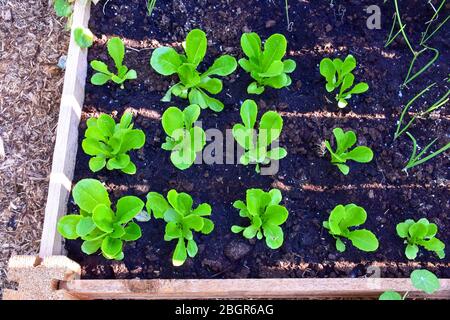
column 418, row 159
column 183, row 139
column 64, row 8
column 192, row 85
column 150, row 6
column 420, row 233
column 97, row 224
column 255, row 143
column 344, row 141
column 109, row 143
column 181, row 221
column 266, row 215
column 83, row 37
column 266, row 67
column 338, row 73
column 116, row 49
column 423, row 280
column 344, row 217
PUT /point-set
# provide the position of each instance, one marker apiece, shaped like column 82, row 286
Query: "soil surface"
column 311, row 186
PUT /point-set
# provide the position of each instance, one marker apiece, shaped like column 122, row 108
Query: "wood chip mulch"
column 32, row 40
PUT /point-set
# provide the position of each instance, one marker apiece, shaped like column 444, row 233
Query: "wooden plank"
column 66, row 144
column 245, row 288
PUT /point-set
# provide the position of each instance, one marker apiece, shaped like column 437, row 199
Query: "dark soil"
column 311, row 186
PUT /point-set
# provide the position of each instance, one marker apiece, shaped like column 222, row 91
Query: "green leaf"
column 157, row 203
column 347, row 83
column 91, row 247
column 97, row 163
column 363, row 240
column 345, row 140
column 134, row 139
column 172, row 215
column 67, row 226
column 275, row 69
column 270, row 128
column 418, row 230
column 251, row 45
column 173, row 231
column 212, row 85
column 195, row 46
column 277, row 153
column 275, row 214
column 411, row 251
column 85, row 226
column 336, row 216
column 343, row 168
column 193, row 222
column 127, row 208
column 253, row 88
column 360, row 154
column 180, row 254
column 208, row 226
column 403, row 228
column 125, row 120
column 425, row 280
column 274, row 49
column 83, row 37
column 88, row 193
column 165, row 61
column 434, row 244
column 106, row 124
column 249, row 111
column 348, row 65
column 223, row 66
column 100, row 79
column 118, row 231
column 275, row 196
column 132, row 232
column 189, row 77
column 116, row 50
column 203, row 210
column 250, row 232
column 359, row 88
column 390, row 295
column 354, row 216
column 289, row 66
column 243, row 136
column 340, row 246
column 327, row 69
column 172, row 120
column 103, row 218
column 237, row 229
column 274, row 236
column 119, row 162
column 111, row 247
column 130, row 169
column 192, row 248
column 62, row 8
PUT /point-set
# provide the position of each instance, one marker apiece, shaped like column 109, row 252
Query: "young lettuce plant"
column 344, row 217
column 116, row 49
column 192, row 85
column 344, row 141
column 183, row 139
column 266, row 216
column 423, row 280
column 97, row 224
column 181, row 220
column 266, row 67
column 255, row 145
column 338, row 73
column 108, row 143
column 420, row 233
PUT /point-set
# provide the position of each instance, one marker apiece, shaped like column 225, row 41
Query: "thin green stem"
column 416, row 160
column 425, row 38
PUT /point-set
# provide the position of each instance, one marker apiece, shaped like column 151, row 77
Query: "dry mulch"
column 31, row 42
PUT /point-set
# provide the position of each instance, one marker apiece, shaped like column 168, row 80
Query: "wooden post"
column 38, row 279
column 66, row 144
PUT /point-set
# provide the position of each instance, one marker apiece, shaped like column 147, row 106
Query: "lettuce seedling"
column 344, row 141
column 420, row 233
column 97, row 224
column 83, row 37
column 116, row 50
column 338, row 73
column 183, row 139
column 266, row 216
column 181, row 220
column 254, row 144
column 109, row 143
column 192, row 85
column 266, row 67
column 421, row 279
column 344, row 217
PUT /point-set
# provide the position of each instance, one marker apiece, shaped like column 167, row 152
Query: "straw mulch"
column 31, row 42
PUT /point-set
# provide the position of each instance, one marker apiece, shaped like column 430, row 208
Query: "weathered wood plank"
column 245, row 288
column 66, row 144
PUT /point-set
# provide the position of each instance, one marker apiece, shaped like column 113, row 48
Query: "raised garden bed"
column 310, row 184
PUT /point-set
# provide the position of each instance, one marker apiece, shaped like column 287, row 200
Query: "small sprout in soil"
column 97, row 224
column 344, row 217
column 266, row 67
column 266, row 216
column 63, row 8
column 344, row 141
column 181, row 219
column 116, row 50
column 338, row 73
column 418, row 159
column 420, row 233
column 150, row 7
column 255, row 143
column 183, row 139
column 423, row 280
column 109, row 143
column 193, row 84
column 83, row 37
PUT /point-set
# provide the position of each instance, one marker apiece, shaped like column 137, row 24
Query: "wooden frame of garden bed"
column 53, row 276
